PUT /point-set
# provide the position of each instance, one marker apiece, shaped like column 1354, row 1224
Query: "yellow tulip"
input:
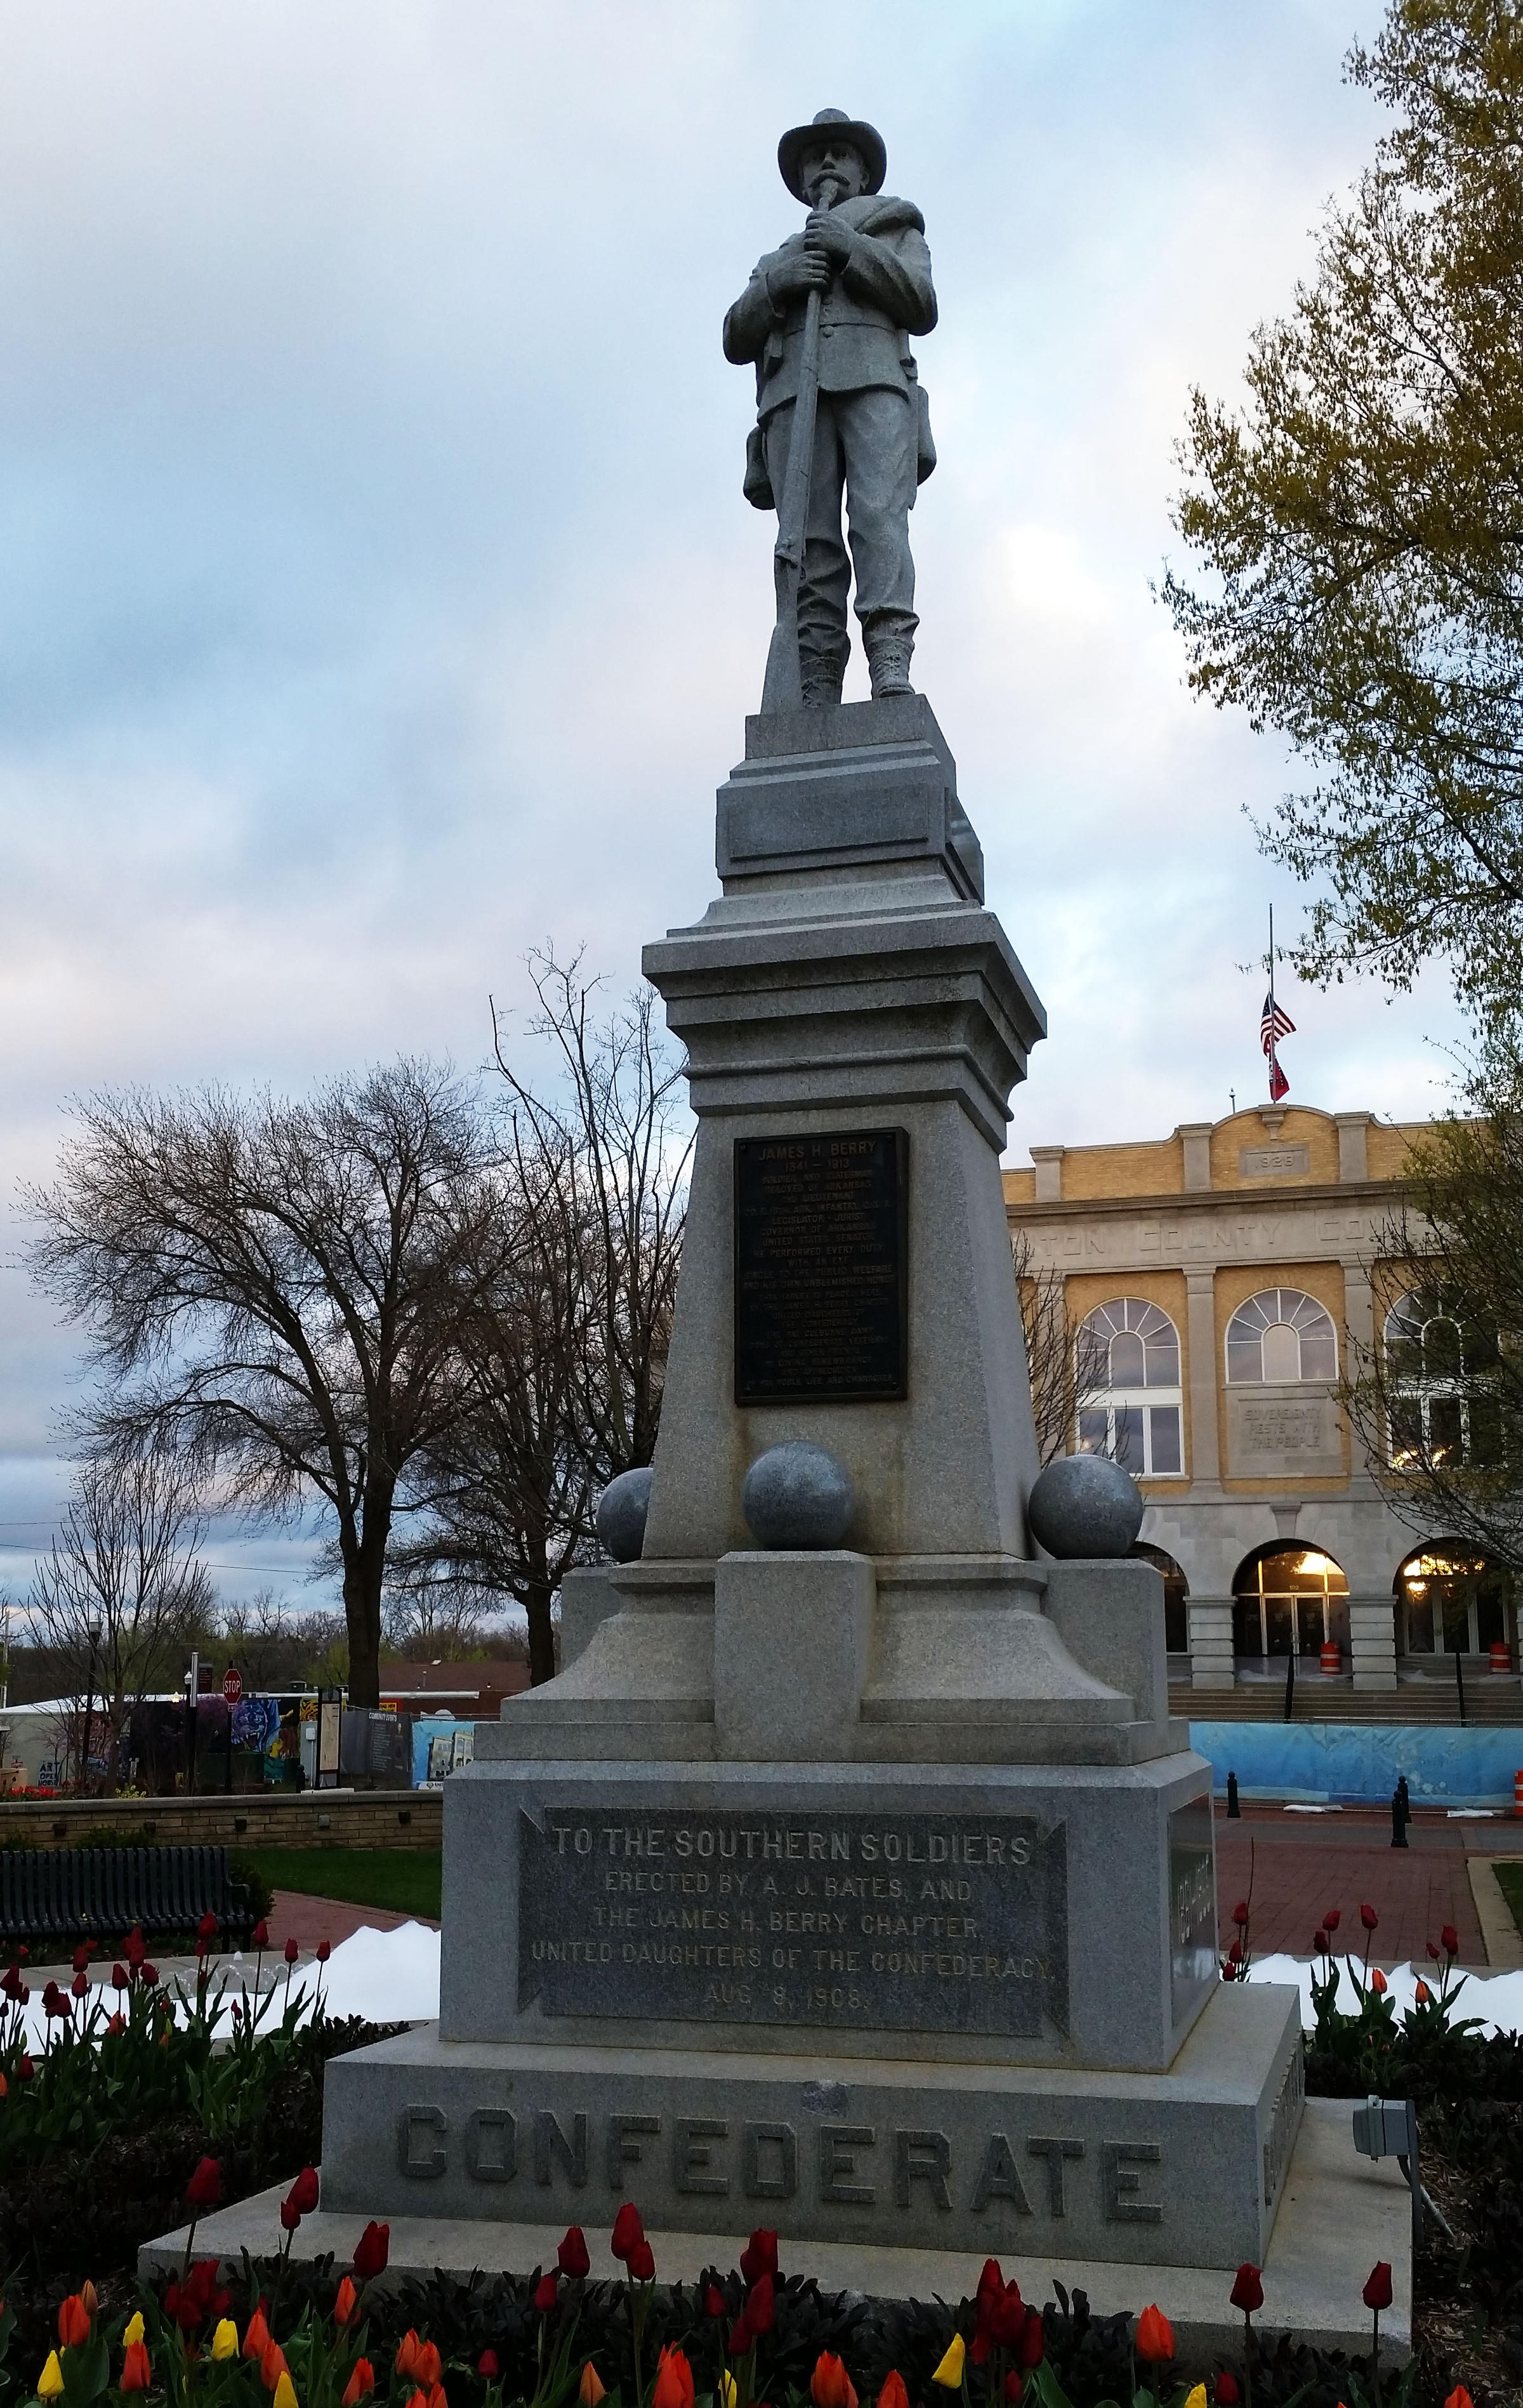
column 51, row 2381
column 727, row 2390
column 225, row 2341
column 950, row 2372
column 285, row 2392
column 1196, row 2398
column 135, row 2330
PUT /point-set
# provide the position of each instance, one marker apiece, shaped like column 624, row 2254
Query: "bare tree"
column 275, row 1645
column 275, row 1289
column 121, row 1591
column 1063, row 1375
column 444, row 1622
column 564, row 1340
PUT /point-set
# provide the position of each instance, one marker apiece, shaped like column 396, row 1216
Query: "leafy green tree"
column 1359, row 527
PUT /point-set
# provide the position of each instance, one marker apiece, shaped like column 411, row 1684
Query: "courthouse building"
column 1216, row 1278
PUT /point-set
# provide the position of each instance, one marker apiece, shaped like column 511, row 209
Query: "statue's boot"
column 889, row 648
column 821, row 676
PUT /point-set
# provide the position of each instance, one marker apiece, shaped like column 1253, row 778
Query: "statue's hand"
column 827, row 238
column 798, row 271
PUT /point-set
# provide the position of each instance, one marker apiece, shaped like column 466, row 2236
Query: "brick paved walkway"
column 1303, row 1864
column 307, row 1920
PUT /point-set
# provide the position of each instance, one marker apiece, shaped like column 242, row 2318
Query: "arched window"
column 1435, row 1361
column 1287, row 1600
column 1175, row 1597
column 1129, row 1388
column 1448, row 1599
column 1279, row 1336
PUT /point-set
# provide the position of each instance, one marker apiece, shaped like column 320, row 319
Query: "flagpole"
column 1272, row 1002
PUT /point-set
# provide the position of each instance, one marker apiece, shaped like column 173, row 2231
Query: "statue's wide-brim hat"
column 832, row 124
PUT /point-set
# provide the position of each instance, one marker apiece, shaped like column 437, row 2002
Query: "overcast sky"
column 379, row 599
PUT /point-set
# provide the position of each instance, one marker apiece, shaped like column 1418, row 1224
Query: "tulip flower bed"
column 136, row 2081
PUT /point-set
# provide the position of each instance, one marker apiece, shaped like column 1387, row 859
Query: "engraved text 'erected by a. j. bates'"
column 954, row 1923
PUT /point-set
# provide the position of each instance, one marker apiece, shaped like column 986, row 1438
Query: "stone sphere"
column 798, row 1496
column 621, row 1510
column 1085, row 1505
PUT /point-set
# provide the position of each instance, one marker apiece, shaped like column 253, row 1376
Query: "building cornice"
column 1209, row 1200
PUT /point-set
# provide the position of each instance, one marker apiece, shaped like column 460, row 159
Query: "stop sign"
column 233, row 1684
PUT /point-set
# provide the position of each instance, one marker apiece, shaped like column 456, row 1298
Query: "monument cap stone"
column 797, row 1494
column 621, row 1514
column 1085, row 1505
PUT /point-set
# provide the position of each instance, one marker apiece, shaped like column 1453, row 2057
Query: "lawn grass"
column 406, row 1880
column 1510, row 1883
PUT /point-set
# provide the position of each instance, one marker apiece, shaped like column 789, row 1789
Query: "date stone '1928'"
column 938, row 1923
column 821, row 1268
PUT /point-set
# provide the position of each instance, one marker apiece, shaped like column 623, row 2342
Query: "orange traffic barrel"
column 1331, row 1655
column 1501, row 1660
column 1517, row 1793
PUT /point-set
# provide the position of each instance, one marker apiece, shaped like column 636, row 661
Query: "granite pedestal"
column 868, row 1893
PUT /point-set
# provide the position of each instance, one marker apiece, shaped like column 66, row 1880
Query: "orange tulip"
column 271, row 2364
column 590, row 2391
column 87, row 2293
column 409, row 2349
column 830, row 2386
column 1154, row 2337
column 73, row 2322
column 361, row 2382
column 1459, row 2397
column 136, row 2374
column 419, row 2400
column 893, row 2394
column 674, row 2381
column 256, row 2341
column 436, row 2398
column 346, row 2303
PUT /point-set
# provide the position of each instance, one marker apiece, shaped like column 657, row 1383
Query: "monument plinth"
column 866, row 1891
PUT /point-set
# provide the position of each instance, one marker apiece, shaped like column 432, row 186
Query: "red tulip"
column 150, row 1975
column 1450, row 1938
column 81, row 1960
column 1247, row 2291
column 830, row 2386
column 761, row 2306
column 73, row 2322
column 992, row 2280
column 1319, row 1943
column 1377, row 1982
column 304, row 2190
column 628, row 2229
column 260, row 1939
column 1432, row 1952
column 290, row 2215
column 1240, row 1914
column 1370, row 1919
column 893, row 2394
column 204, row 2188
column 741, row 2336
column 546, row 2291
column 1154, row 2343
column 641, row 2262
column 326, row 1949
column 674, row 2381
column 1034, row 2341
column 25, row 2070
column 572, row 2255
column 714, row 2301
column 121, row 1978
column 1330, row 1921
column 489, row 2366
column 372, row 2250
column 361, row 2382
column 1228, row 2394
column 207, row 1929
column 759, row 2257
column 291, row 1952
column 135, row 1952
column 1377, row 2291
column 1014, row 2386
column 116, row 2024
column 80, row 1986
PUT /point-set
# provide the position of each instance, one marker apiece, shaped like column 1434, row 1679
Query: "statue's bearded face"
column 837, row 163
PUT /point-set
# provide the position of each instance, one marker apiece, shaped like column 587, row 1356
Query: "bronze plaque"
column 935, row 1923
column 823, row 1267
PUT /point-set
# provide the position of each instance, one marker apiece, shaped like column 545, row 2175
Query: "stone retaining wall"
column 314, row 1818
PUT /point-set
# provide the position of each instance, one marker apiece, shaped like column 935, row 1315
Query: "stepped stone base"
column 1184, row 2167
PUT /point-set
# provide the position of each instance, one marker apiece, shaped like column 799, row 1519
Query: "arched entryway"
column 1287, row 1602
column 1176, row 1598
column 1452, row 1600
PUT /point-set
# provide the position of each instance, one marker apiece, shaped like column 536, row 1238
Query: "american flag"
column 1274, row 1024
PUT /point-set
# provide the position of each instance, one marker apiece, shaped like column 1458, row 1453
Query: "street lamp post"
column 89, row 1704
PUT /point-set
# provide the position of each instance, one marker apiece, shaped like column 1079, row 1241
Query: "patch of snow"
column 1496, row 1999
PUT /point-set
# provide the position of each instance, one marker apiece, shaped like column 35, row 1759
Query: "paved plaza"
column 1301, row 1865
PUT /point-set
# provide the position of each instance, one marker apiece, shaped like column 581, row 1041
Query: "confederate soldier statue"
column 827, row 320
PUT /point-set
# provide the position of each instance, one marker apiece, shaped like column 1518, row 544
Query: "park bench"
column 78, row 1894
